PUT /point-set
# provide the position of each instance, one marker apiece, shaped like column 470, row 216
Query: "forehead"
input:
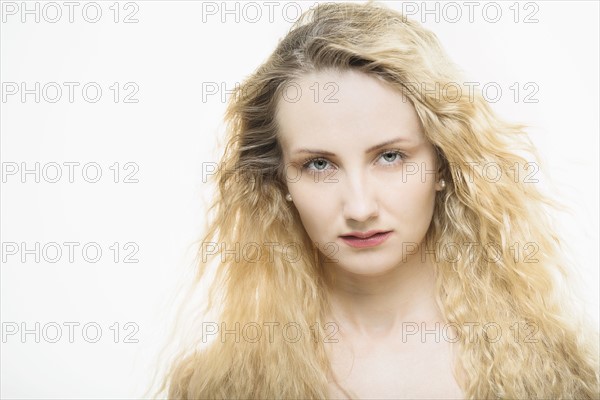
column 331, row 107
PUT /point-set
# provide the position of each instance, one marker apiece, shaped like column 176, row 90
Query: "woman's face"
column 356, row 161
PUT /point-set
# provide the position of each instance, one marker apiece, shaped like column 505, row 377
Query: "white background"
column 171, row 51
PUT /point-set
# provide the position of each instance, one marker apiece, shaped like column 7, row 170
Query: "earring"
column 443, row 184
column 288, row 197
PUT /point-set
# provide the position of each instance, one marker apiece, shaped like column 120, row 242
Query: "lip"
column 365, row 239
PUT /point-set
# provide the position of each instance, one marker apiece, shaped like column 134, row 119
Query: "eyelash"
column 401, row 157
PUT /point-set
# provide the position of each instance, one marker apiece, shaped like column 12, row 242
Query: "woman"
column 359, row 248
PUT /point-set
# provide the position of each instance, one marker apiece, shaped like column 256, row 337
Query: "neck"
column 378, row 305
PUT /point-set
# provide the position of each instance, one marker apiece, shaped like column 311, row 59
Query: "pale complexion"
column 379, row 292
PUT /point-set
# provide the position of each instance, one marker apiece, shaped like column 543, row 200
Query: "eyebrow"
column 369, row 150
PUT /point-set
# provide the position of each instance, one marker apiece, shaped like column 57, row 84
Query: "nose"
column 359, row 197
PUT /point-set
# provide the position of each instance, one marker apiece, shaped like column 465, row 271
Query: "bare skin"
column 380, row 295
column 384, row 354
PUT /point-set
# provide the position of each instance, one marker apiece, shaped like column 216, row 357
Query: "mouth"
column 365, row 239
column 364, row 235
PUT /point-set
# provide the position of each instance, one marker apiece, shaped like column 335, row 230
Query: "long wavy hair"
column 546, row 348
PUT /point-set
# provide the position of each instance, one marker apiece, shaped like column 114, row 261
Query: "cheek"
column 313, row 212
column 412, row 199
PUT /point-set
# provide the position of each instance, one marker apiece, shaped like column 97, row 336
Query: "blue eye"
column 392, row 156
column 317, row 161
column 395, row 154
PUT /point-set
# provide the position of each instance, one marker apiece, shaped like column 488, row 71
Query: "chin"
column 373, row 265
